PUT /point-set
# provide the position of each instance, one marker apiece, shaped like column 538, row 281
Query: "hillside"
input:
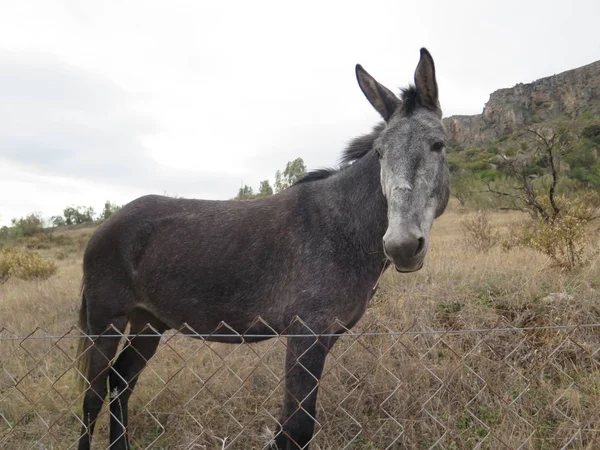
column 563, row 96
column 565, row 108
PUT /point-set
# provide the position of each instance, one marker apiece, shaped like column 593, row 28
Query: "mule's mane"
column 356, row 149
column 410, row 100
column 360, row 146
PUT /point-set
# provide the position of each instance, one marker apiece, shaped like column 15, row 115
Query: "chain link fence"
column 492, row 388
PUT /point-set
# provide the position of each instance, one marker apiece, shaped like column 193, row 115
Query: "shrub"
column 63, row 253
column 38, row 242
column 82, row 241
column 478, row 232
column 591, row 131
column 491, row 148
column 24, row 264
column 477, row 166
column 4, row 234
column 28, row 225
column 563, row 239
column 490, row 175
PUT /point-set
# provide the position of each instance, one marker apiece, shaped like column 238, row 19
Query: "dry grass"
column 538, row 388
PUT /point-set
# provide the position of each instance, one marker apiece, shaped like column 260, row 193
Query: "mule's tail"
column 82, row 362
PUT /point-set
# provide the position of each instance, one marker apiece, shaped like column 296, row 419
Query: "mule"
column 314, row 251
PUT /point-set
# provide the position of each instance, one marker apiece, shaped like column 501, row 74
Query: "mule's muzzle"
column 407, row 254
column 408, row 271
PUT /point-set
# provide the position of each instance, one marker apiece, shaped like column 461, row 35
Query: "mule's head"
column 414, row 170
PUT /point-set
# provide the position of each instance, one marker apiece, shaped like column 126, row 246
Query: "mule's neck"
column 358, row 207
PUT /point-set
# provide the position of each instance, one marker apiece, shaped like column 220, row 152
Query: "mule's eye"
column 378, row 151
column 437, row 146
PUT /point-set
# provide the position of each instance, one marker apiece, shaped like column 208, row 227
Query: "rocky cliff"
column 566, row 95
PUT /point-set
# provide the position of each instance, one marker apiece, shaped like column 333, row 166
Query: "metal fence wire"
column 493, row 388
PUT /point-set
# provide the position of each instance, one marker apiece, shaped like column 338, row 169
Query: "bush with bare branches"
column 564, row 238
column 478, row 233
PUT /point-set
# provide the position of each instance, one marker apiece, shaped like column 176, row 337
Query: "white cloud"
column 120, row 98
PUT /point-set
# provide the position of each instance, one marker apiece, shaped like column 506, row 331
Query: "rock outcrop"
column 566, row 95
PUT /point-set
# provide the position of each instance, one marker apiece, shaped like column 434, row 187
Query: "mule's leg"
column 304, row 364
column 101, row 353
column 125, row 373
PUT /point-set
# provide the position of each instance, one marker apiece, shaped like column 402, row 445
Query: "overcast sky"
column 112, row 100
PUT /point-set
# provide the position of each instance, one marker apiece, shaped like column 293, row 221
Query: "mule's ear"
column 382, row 99
column 425, row 81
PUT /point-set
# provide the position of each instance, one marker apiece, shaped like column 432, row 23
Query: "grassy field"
column 533, row 389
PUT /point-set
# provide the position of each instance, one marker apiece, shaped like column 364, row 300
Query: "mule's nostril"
column 420, row 246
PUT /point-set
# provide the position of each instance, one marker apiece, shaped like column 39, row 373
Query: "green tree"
column 294, row 170
column 57, row 221
column 75, row 215
column 70, row 213
column 29, row 225
column 109, row 210
column 245, row 193
column 87, row 214
column 264, row 189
